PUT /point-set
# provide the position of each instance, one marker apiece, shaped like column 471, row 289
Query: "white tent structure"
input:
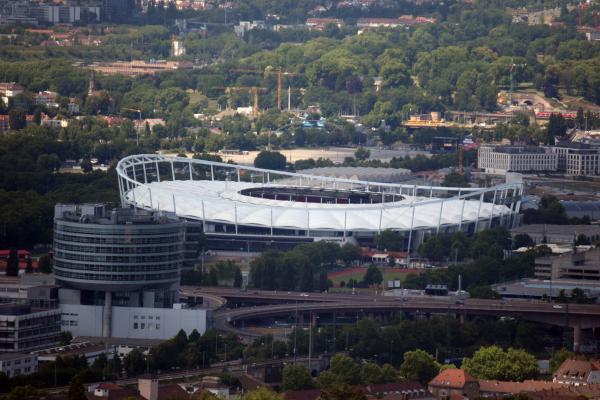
column 236, row 201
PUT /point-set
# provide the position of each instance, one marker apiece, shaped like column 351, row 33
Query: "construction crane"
column 254, row 92
column 270, row 70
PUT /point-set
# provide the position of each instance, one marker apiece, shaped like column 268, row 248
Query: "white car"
column 557, row 306
column 303, row 295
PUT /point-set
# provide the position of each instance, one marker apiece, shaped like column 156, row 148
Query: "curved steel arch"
column 209, row 191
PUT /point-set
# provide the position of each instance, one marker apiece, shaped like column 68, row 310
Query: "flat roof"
column 14, row 356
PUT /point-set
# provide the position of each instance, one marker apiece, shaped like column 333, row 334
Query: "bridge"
column 310, row 305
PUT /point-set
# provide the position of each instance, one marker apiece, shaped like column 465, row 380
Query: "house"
column 148, row 388
column 391, row 391
column 578, row 372
column 493, row 388
column 4, row 125
column 53, row 122
column 46, row 98
column 9, row 90
column 454, row 383
column 319, row 24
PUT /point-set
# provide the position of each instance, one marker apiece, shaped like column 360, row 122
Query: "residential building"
column 139, row 67
column 593, row 35
column 13, row 364
column 572, row 266
column 399, row 390
column 46, row 98
column 148, row 388
column 578, row 372
column 53, row 122
column 24, row 328
column 404, row 20
column 319, row 24
column 119, row 271
column 454, row 382
column 499, row 389
column 4, row 123
column 244, row 26
column 9, row 90
column 502, row 159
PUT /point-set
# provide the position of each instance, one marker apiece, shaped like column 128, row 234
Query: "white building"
column 502, row 159
column 576, row 158
column 133, row 322
column 13, row 364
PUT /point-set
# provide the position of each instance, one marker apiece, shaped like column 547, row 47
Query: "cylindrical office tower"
column 119, row 257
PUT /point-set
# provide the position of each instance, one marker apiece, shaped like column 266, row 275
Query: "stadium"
column 242, row 208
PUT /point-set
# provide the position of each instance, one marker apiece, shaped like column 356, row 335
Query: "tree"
column 296, row 377
column 419, row 365
column 213, row 277
column 373, row 275
column 12, row 264
column 134, row 362
column 559, row 357
column 44, row 264
column 17, row 118
column 270, row 160
column 582, row 240
column 262, row 393
column 557, row 127
column 522, row 240
column 343, row 391
column 455, row 180
column 349, row 253
column 86, row 165
column 362, row 154
column 76, row 389
column 238, row 279
column 389, row 240
column 343, row 370
column 494, row 363
column 29, row 265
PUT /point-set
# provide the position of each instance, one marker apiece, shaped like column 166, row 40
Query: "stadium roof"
column 221, row 201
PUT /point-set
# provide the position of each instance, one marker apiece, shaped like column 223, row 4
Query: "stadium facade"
column 242, row 208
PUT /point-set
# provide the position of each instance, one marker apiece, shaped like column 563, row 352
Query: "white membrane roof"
column 220, row 201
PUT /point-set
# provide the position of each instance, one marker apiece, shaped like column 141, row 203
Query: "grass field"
column 357, row 273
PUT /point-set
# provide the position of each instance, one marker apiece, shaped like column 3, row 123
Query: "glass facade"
column 118, row 254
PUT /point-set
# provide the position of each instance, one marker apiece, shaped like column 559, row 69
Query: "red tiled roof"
column 109, row 386
column 309, row 394
column 21, row 253
column 576, row 369
column 507, row 387
column 452, row 378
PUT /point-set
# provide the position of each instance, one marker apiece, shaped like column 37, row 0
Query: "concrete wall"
column 158, row 323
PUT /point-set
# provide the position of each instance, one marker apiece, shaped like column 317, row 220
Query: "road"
column 578, row 316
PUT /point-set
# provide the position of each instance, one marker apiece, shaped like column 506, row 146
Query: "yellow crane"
column 269, row 71
column 254, row 92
